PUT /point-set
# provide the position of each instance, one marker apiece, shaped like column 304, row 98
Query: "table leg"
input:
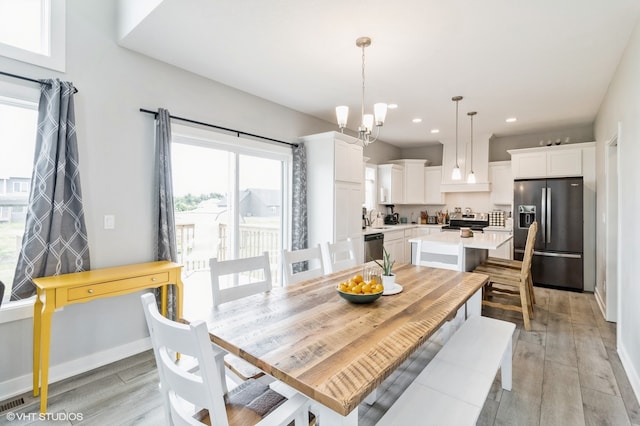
column 45, row 340
column 179, row 290
column 37, row 312
column 163, row 299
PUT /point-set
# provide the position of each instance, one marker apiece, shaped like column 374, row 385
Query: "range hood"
column 480, row 165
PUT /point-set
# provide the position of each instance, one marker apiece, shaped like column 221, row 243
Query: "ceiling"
column 546, row 62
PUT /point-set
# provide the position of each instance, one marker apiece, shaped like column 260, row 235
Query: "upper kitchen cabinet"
column 335, row 188
column 391, row 183
column 433, row 195
column 480, row 164
column 548, row 161
column 413, row 180
column 348, row 162
column 501, row 179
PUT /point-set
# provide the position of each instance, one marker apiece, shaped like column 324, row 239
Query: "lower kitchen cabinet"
column 394, row 242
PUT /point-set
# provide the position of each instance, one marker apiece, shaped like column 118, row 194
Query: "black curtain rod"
column 237, row 132
column 33, row 80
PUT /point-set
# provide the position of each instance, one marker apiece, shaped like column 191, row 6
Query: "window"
column 370, row 186
column 229, row 196
column 18, row 124
column 33, row 31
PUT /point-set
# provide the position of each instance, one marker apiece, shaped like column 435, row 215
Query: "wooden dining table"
column 329, row 349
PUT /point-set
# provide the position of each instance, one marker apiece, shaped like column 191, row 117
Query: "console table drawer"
column 119, row 286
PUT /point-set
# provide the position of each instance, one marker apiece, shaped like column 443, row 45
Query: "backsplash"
column 477, row 201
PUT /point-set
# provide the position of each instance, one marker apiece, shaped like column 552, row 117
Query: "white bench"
column 453, row 387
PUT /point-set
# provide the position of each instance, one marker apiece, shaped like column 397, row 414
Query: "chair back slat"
column 243, row 277
column 204, row 390
column 314, row 263
column 340, row 255
column 528, row 250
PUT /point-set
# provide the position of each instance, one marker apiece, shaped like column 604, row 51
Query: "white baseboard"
column 21, row 384
column 629, row 368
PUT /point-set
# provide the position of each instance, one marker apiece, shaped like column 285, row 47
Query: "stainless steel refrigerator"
column 557, row 205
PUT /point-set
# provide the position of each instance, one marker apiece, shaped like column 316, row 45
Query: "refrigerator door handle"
column 548, row 238
column 543, row 218
column 550, row 254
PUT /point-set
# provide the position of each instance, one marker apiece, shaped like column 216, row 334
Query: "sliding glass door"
column 229, row 197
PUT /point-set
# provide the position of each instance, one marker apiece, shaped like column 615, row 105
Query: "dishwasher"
column 373, row 244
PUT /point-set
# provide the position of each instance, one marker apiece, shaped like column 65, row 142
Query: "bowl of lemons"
column 358, row 290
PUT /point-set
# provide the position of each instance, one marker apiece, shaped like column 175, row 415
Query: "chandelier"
column 367, row 121
column 456, row 174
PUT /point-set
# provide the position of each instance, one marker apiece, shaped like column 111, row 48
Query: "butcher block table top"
column 333, row 351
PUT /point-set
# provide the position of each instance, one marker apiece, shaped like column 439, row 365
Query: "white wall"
column 116, row 157
column 621, row 106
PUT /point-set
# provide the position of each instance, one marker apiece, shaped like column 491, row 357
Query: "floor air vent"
column 11, row 404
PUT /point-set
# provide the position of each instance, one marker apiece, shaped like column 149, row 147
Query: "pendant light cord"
column 471, row 156
column 362, row 103
column 457, row 133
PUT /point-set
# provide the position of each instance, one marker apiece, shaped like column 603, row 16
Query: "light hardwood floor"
column 565, row 372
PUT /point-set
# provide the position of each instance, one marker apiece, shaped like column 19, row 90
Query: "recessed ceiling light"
column 417, row 120
column 511, row 120
column 434, row 131
column 392, row 106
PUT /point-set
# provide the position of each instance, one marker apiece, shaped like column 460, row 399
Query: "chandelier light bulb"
column 380, row 112
column 342, row 114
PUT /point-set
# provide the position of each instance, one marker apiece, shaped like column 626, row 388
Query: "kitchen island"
column 476, row 248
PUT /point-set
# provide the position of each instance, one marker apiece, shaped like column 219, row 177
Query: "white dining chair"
column 238, row 278
column 340, row 255
column 309, row 261
column 235, row 279
column 201, row 397
column 440, row 255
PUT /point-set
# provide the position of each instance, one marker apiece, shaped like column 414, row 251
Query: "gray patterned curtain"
column 299, row 231
column 164, row 219
column 55, row 238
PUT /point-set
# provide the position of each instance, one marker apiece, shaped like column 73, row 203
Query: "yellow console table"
column 79, row 287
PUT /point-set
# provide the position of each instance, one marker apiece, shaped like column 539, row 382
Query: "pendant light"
column 456, row 174
column 471, row 177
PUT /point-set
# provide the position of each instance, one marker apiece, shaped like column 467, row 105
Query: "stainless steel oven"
column 373, row 244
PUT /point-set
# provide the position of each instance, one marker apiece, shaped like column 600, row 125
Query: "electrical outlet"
column 109, row 221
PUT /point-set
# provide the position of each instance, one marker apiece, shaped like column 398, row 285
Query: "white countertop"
column 479, row 240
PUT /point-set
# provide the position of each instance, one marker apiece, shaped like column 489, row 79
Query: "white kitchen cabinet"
column 335, row 188
column 413, row 180
column 433, row 194
column 394, row 242
column 391, row 183
column 548, row 161
column 564, row 162
column 501, row 178
column 349, row 162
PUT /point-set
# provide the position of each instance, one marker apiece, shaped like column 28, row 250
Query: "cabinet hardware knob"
column 90, row 291
column 153, row 279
